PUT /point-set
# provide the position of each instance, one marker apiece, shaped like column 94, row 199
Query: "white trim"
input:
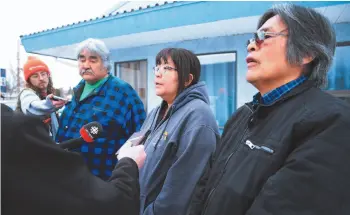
column 217, row 58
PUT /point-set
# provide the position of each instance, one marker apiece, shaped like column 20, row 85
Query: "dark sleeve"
column 48, row 180
column 199, row 194
column 315, row 178
column 125, row 178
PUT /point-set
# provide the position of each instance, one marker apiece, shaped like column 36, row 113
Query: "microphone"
column 88, row 133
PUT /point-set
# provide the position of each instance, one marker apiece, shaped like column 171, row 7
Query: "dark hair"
column 185, row 62
column 310, row 34
column 50, row 88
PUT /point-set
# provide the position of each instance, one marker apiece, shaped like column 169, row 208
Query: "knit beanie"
column 34, row 65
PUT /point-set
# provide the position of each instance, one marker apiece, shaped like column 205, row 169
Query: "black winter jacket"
column 290, row 157
column 37, row 177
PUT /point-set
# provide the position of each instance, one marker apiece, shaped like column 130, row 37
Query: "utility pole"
column 18, row 65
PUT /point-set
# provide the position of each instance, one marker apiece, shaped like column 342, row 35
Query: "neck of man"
column 269, row 85
column 43, row 92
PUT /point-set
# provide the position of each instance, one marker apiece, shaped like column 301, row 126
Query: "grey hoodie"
column 31, row 104
column 178, row 149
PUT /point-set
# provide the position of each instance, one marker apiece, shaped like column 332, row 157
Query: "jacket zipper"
column 224, row 169
column 212, row 190
column 263, row 148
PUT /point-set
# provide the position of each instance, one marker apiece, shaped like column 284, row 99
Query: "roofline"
column 134, row 27
column 115, row 7
column 54, row 56
column 110, row 16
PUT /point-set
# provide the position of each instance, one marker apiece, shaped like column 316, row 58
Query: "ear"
column 190, row 79
column 307, row 60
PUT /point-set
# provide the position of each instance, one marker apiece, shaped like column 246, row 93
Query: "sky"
column 20, row 17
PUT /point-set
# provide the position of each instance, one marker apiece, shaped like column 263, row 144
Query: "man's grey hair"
column 95, row 46
column 310, row 34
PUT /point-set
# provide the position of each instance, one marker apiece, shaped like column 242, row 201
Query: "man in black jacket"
column 37, row 177
column 288, row 151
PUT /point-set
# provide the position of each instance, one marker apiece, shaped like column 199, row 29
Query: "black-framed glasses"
column 162, row 69
column 260, row 36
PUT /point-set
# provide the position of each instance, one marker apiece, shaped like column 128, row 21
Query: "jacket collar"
column 294, row 92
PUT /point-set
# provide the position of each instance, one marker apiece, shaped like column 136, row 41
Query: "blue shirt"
column 114, row 104
column 277, row 93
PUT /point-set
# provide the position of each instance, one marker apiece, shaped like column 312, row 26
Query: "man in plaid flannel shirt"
column 104, row 98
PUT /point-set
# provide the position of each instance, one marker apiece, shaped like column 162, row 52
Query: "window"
column 218, row 71
column 3, row 72
column 134, row 73
column 3, row 84
column 3, row 81
column 339, row 74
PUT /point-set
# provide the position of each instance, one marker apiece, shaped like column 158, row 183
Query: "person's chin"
column 251, row 76
column 42, row 86
column 159, row 92
column 89, row 78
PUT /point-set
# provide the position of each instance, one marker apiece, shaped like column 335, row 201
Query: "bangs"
column 163, row 55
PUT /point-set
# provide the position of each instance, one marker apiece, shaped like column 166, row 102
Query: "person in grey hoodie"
column 180, row 135
column 37, row 98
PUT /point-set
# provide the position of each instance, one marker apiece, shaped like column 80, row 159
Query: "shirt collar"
column 273, row 95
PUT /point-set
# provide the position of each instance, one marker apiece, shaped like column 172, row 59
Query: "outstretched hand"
column 57, row 104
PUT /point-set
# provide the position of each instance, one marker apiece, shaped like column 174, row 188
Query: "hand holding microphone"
column 137, row 153
column 57, row 102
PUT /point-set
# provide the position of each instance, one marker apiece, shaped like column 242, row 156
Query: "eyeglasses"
column 162, row 69
column 260, row 36
column 40, row 74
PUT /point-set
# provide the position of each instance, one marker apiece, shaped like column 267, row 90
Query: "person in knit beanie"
column 37, row 98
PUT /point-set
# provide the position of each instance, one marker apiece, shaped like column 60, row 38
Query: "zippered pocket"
column 262, row 148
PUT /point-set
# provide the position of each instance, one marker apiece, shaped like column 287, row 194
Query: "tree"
column 11, row 81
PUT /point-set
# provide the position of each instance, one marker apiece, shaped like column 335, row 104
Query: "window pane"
column 339, row 74
column 3, row 73
column 135, row 73
column 218, row 71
